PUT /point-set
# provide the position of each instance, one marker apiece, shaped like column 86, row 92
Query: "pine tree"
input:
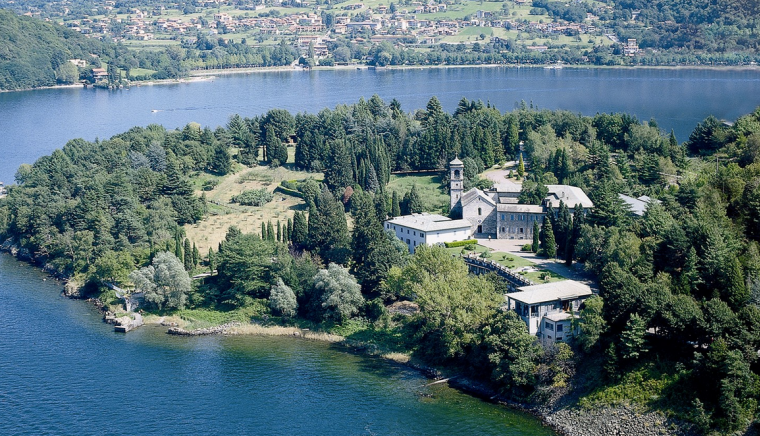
column 549, row 244
column 188, row 258
column 367, row 229
column 395, row 206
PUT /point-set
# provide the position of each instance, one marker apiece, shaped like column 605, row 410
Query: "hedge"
column 460, row 243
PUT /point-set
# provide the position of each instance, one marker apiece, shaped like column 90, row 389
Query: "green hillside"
column 35, row 53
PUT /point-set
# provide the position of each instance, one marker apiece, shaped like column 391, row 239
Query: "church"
column 496, row 213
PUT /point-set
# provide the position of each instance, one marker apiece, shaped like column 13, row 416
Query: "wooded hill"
column 35, row 53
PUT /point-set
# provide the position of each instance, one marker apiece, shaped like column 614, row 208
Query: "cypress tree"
column 521, row 167
column 270, row 231
column 415, row 203
column 178, row 244
column 211, row 260
column 263, row 230
column 536, row 232
column 549, row 246
column 196, row 255
column 395, row 206
column 188, row 258
column 300, row 230
column 279, row 232
column 288, row 230
column 579, row 217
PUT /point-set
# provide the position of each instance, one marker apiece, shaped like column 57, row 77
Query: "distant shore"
column 203, row 75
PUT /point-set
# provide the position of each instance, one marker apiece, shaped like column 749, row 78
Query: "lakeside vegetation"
column 676, row 325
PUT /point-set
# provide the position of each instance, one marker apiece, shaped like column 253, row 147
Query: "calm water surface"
column 35, row 123
column 64, row 372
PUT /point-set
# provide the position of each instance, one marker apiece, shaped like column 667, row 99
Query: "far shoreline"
column 211, row 74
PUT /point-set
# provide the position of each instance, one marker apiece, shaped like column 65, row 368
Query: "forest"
column 675, row 326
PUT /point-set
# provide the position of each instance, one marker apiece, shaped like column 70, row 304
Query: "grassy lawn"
column 513, row 262
column 434, row 198
column 140, row 72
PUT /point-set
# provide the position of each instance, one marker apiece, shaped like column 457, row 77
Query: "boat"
column 557, row 66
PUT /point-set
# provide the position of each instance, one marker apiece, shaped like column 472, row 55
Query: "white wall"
column 412, row 237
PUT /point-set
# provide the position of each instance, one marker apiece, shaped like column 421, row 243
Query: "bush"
column 254, row 197
column 468, row 244
column 209, row 185
column 527, row 247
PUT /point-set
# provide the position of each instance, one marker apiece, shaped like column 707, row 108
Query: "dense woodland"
column 676, row 325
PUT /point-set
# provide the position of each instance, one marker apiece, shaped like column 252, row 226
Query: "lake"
column 34, row 123
column 65, row 372
column 62, row 371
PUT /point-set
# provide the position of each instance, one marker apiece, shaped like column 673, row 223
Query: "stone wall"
column 486, row 218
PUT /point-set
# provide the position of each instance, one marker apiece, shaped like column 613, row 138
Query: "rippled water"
column 63, row 371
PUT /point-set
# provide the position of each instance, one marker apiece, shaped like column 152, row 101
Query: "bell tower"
column 457, row 182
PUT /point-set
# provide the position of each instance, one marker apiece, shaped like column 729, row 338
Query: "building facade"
column 427, row 229
column 548, row 309
column 496, row 213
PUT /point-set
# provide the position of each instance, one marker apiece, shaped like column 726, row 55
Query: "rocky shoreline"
column 565, row 420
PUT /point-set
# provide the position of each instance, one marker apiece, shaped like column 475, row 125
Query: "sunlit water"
column 64, row 372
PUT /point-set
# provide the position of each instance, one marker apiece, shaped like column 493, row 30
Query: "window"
column 415, row 233
column 559, row 328
column 480, row 229
column 534, row 311
column 502, row 217
column 502, row 229
column 480, row 211
column 422, row 235
column 512, row 217
column 521, row 230
column 549, row 326
column 407, row 241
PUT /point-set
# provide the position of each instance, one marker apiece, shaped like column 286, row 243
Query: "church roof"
column 456, row 161
column 474, row 193
column 520, row 208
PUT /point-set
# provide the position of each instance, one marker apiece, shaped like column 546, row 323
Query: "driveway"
column 576, row 272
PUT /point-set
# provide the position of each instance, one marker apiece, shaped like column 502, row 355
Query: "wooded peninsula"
column 280, row 218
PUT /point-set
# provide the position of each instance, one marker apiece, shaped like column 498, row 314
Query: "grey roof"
column 520, row 208
column 543, row 293
column 456, row 161
column 429, row 222
column 474, row 193
column 638, row 205
column 559, row 316
column 570, row 195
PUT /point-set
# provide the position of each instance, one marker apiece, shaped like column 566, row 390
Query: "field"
column 434, row 198
column 223, row 214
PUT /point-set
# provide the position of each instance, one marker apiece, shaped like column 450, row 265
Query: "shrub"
column 209, row 185
column 466, row 244
column 527, row 247
column 253, row 197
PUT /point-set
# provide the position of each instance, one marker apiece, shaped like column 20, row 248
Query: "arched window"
column 480, row 211
column 456, row 174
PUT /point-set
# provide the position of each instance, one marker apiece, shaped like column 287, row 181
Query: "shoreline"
column 565, row 420
column 204, row 75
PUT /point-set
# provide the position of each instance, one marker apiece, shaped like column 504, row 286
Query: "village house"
column 548, row 309
column 427, row 229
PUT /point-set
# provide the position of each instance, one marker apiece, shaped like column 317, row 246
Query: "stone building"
column 496, row 213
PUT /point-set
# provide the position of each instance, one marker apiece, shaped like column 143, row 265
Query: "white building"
column 497, row 213
column 548, row 309
column 429, row 229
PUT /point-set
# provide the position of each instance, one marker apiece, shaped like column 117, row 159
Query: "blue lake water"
column 62, row 371
column 34, row 123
